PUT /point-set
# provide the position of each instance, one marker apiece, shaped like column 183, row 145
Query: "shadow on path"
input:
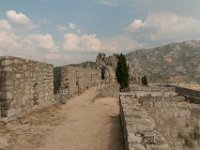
column 116, row 134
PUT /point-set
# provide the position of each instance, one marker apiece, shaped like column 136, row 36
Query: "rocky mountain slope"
column 175, row 62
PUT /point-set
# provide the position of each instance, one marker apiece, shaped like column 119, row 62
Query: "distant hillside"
column 85, row 64
column 175, row 62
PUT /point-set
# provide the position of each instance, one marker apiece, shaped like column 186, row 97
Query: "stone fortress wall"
column 159, row 120
column 25, row 86
column 75, row 79
column 155, row 117
column 191, row 95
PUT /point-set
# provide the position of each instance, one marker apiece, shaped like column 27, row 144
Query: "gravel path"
column 80, row 124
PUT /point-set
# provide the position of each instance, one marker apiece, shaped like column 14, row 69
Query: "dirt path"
column 80, row 124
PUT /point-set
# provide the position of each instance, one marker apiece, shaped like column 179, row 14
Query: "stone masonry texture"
column 75, row 79
column 25, row 86
column 139, row 128
column 162, row 116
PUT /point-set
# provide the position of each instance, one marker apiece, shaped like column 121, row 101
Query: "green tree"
column 122, row 72
column 144, row 81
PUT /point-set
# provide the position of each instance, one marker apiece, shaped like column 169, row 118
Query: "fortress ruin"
column 160, row 116
column 27, row 85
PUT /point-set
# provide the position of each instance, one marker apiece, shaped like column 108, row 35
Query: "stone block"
column 24, row 67
column 6, row 62
column 12, row 112
column 18, row 75
column 6, row 95
column 158, row 104
column 16, row 61
column 132, row 138
column 136, row 147
column 8, row 68
column 9, row 95
column 3, row 95
column 3, row 143
column 157, row 94
column 179, row 147
column 9, row 87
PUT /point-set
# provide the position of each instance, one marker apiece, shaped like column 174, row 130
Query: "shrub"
column 144, row 81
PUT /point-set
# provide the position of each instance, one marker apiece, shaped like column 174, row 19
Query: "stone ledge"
column 138, row 126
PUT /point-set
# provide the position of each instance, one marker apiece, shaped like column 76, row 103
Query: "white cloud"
column 18, row 18
column 71, row 42
column 69, row 27
column 4, row 25
column 43, row 44
column 120, row 44
column 8, row 40
column 89, row 43
column 31, row 45
column 166, row 25
column 135, row 25
column 44, row 41
column 113, row 2
column 107, row 2
column 53, row 54
column 85, row 42
column 61, row 28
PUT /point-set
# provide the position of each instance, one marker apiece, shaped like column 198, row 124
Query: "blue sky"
column 70, row 31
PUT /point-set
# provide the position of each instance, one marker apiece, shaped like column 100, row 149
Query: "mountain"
column 85, row 64
column 175, row 62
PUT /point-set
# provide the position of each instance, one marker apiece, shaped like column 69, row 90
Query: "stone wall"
column 138, row 126
column 109, row 61
column 175, row 119
column 25, row 86
column 75, row 79
column 152, row 88
column 191, row 95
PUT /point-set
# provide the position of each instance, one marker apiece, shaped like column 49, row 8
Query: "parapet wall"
column 25, row 86
column 138, row 126
column 191, row 95
column 152, row 88
column 164, row 117
column 75, row 79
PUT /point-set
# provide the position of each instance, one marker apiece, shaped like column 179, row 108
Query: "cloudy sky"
column 71, row 31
